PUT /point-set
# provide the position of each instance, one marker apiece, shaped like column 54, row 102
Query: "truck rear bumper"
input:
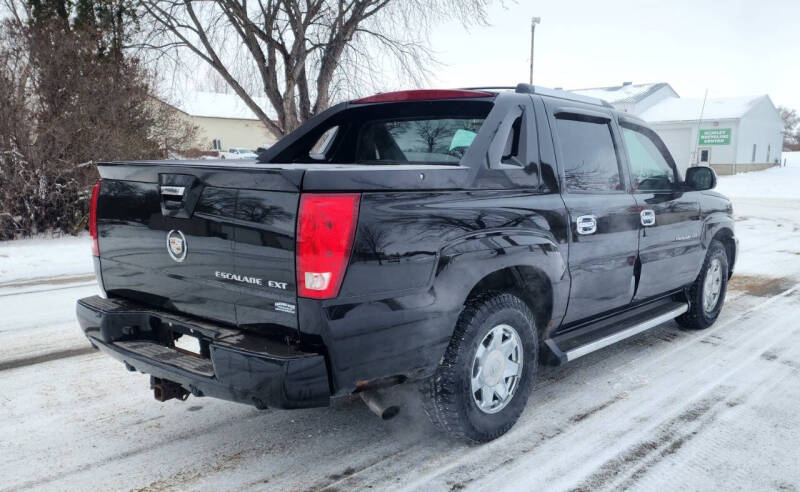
column 233, row 365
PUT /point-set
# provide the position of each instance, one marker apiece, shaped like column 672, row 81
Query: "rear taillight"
column 93, row 218
column 326, row 225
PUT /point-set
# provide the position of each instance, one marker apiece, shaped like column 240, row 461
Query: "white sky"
column 731, row 47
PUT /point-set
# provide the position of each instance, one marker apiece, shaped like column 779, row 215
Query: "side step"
column 590, row 338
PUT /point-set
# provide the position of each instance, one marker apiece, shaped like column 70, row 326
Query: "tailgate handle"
column 179, row 194
column 176, row 191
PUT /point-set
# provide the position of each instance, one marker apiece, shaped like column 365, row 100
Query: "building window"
column 754, row 153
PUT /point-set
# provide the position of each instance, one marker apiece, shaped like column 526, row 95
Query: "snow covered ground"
column 669, row 409
column 792, row 158
column 45, row 257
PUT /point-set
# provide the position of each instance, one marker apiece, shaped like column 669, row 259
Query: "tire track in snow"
column 50, row 356
column 463, row 471
column 650, row 473
column 15, row 284
column 187, row 435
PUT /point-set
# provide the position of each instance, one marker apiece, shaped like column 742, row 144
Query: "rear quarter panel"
column 415, row 258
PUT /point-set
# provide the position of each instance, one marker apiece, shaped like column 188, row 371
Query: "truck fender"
column 525, row 258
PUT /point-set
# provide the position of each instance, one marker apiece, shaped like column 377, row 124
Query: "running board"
column 567, row 348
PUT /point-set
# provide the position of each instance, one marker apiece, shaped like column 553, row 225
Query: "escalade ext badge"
column 250, row 280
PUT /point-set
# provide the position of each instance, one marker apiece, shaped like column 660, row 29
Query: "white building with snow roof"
column 732, row 135
column 631, row 98
column 223, row 121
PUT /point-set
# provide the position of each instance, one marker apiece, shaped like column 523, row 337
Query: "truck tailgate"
column 206, row 239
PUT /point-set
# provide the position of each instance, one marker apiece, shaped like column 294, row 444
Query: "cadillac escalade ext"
column 457, row 239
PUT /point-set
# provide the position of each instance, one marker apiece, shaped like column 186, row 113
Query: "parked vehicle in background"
column 457, row 238
column 238, row 153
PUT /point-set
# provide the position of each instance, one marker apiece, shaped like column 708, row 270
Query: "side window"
column 650, row 169
column 320, row 149
column 590, row 157
column 511, row 150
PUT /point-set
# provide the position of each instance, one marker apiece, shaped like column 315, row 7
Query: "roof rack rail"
column 560, row 94
column 523, row 88
column 487, row 88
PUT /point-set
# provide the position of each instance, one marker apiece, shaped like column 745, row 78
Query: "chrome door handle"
column 648, row 217
column 586, row 224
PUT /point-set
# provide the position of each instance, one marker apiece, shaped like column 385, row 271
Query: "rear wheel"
column 707, row 293
column 486, row 374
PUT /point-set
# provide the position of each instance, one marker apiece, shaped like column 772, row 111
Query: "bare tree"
column 303, row 54
column 65, row 105
column 791, row 126
column 430, row 131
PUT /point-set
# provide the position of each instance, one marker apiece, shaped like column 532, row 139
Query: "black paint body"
column 427, row 236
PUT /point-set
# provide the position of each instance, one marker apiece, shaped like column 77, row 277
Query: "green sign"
column 715, row 136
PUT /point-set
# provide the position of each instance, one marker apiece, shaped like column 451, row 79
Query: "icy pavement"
column 669, row 409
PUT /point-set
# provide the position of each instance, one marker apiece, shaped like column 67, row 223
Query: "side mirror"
column 701, row 178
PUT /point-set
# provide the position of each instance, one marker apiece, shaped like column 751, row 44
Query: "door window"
column 589, row 154
column 651, row 170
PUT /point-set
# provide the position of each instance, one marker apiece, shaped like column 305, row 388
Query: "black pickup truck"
column 453, row 238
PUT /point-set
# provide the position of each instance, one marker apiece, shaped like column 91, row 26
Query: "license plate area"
column 189, row 344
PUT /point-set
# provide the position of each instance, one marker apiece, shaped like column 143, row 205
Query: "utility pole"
column 534, row 21
column 699, row 122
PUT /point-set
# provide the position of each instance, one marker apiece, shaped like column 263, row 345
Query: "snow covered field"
column 668, row 409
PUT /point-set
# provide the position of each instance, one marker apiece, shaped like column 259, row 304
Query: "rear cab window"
column 437, row 132
column 434, row 140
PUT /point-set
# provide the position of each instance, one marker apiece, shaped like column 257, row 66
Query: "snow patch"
column 616, row 94
column 781, row 183
column 45, row 257
column 686, row 109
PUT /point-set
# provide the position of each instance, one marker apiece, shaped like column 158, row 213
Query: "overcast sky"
column 730, row 47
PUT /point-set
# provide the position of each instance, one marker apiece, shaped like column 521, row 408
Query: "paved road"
column 668, row 409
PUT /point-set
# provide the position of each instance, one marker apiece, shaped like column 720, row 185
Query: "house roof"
column 720, row 108
column 625, row 93
column 218, row 105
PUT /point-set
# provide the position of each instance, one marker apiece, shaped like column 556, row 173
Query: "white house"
column 223, row 120
column 736, row 134
column 733, row 135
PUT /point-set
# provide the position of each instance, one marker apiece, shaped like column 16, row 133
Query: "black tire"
column 447, row 396
column 699, row 316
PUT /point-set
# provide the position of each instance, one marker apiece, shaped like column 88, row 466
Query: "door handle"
column 648, row 217
column 586, row 224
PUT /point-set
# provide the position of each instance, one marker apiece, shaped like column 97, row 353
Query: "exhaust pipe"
column 379, row 405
